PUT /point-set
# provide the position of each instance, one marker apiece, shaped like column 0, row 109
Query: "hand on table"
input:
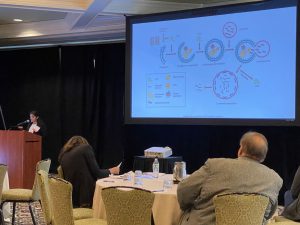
column 114, row 170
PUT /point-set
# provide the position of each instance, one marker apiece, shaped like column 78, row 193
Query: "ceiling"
column 56, row 22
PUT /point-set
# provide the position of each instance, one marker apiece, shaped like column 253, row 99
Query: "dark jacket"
column 80, row 168
column 292, row 211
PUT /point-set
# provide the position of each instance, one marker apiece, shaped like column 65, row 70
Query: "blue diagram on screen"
column 225, row 84
column 224, row 66
column 166, row 90
column 245, row 51
column 214, row 50
column 185, row 53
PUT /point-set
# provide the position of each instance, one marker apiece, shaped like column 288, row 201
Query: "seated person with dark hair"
column 81, row 169
column 220, row 176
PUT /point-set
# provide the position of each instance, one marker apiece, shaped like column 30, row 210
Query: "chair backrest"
column 3, row 170
column 41, row 165
column 61, row 201
column 60, row 172
column 43, row 185
column 132, row 207
column 240, row 208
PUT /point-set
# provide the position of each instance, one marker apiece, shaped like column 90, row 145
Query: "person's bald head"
column 253, row 145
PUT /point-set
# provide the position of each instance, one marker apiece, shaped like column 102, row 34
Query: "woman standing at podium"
column 36, row 124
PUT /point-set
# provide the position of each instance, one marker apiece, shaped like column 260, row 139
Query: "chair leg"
column 31, row 213
column 13, row 214
column 152, row 219
column 1, row 218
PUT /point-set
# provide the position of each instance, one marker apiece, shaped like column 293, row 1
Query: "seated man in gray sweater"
column 220, row 176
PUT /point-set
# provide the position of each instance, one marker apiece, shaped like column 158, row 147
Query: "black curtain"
column 80, row 91
column 29, row 80
column 73, row 89
column 92, row 85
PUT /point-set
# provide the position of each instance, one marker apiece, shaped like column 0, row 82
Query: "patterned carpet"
column 23, row 216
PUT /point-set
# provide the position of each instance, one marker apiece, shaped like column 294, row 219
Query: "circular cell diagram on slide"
column 262, row 48
column 229, row 30
column 244, row 51
column 214, row 50
column 185, row 53
column 225, row 85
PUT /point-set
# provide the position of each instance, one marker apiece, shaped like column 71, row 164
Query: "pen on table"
column 159, row 190
column 112, row 181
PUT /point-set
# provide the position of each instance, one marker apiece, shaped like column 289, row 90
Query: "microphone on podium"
column 24, row 122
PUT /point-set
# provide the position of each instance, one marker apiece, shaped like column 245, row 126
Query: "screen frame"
column 203, row 12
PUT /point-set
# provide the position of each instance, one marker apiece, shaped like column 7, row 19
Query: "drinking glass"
column 168, row 183
column 138, row 177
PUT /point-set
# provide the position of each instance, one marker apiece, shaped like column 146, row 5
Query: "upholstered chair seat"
column 17, row 194
column 43, row 184
column 287, row 222
column 78, row 213
column 280, row 220
column 60, row 199
column 90, row 221
column 25, row 195
column 82, row 213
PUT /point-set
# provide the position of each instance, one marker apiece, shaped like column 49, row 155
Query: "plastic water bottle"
column 155, row 167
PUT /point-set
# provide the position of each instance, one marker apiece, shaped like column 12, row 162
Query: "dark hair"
column 35, row 113
column 70, row 144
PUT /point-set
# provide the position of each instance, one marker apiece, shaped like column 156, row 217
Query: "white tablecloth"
column 165, row 208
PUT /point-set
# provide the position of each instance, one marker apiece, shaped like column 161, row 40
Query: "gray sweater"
column 220, row 176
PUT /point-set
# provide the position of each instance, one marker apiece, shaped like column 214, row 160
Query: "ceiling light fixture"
column 18, row 20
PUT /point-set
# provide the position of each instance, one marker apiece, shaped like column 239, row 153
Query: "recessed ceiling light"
column 18, row 20
column 29, row 33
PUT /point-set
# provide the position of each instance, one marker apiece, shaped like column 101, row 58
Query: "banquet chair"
column 61, row 204
column 240, row 208
column 43, row 184
column 60, row 172
column 18, row 195
column 3, row 171
column 1, row 218
column 280, row 220
column 132, row 206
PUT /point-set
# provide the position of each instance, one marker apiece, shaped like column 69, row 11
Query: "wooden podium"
column 20, row 151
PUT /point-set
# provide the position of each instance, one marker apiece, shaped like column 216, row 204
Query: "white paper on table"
column 153, row 185
column 115, row 176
